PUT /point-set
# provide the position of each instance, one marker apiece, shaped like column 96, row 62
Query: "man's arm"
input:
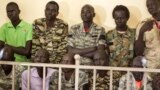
column 1, row 44
column 140, row 43
column 22, row 50
column 81, row 52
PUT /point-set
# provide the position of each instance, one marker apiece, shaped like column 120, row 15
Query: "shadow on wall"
column 135, row 16
column 101, row 16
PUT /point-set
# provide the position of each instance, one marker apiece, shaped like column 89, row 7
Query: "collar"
column 86, row 30
column 21, row 24
column 34, row 72
column 157, row 24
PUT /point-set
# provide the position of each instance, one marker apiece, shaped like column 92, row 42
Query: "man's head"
column 51, row 10
column 13, row 11
column 137, row 63
column 100, row 60
column 153, row 7
column 41, row 56
column 68, row 60
column 156, row 82
column 121, row 15
column 87, row 13
column 7, row 55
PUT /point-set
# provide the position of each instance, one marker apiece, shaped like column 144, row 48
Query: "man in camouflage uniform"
column 68, row 77
column 148, row 36
column 50, row 33
column 102, row 77
column 121, row 40
column 6, row 71
column 136, row 79
column 86, row 38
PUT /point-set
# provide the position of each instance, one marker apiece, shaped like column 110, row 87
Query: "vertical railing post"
column 94, row 79
column 44, row 77
column 145, row 81
column 127, row 81
column 60, row 78
column 77, row 60
column 13, row 77
column 111, row 80
column 28, row 83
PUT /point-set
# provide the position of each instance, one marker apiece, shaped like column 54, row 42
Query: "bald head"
column 41, row 56
column 8, row 54
column 68, row 59
column 137, row 62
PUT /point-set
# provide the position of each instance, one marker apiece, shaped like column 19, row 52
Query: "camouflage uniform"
column 103, row 83
column 6, row 81
column 78, row 38
column 121, row 52
column 53, row 39
column 70, row 84
column 152, row 44
column 132, row 83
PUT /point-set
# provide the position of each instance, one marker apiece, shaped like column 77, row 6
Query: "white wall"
column 70, row 10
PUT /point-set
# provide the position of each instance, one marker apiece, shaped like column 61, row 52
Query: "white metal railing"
column 77, row 67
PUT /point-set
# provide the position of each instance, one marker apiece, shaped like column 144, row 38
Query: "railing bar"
column 13, row 77
column 59, row 79
column 28, row 83
column 145, row 81
column 83, row 67
column 44, row 77
column 94, row 79
column 111, row 79
column 76, row 78
column 127, row 81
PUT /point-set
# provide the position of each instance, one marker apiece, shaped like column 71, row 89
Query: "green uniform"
column 121, row 52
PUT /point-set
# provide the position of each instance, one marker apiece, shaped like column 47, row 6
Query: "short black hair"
column 13, row 3
column 54, row 3
column 90, row 6
column 121, row 8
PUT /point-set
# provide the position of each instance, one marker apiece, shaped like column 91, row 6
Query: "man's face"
column 120, row 18
column 152, row 6
column 87, row 14
column 67, row 61
column 137, row 75
column 41, row 57
column 13, row 12
column 99, row 61
column 51, row 11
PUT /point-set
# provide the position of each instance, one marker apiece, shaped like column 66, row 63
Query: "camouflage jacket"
column 121, row 50
column 52, row 39
column 132, row 83
column 78, row 38
column 70, row 84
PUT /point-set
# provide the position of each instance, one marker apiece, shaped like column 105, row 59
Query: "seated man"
column 36, row 73
column 6, row 70
column 87, row 37
column 102, row 78
column 68, row 77
column 136, row 79
column 156, row 82
column 16, row 34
